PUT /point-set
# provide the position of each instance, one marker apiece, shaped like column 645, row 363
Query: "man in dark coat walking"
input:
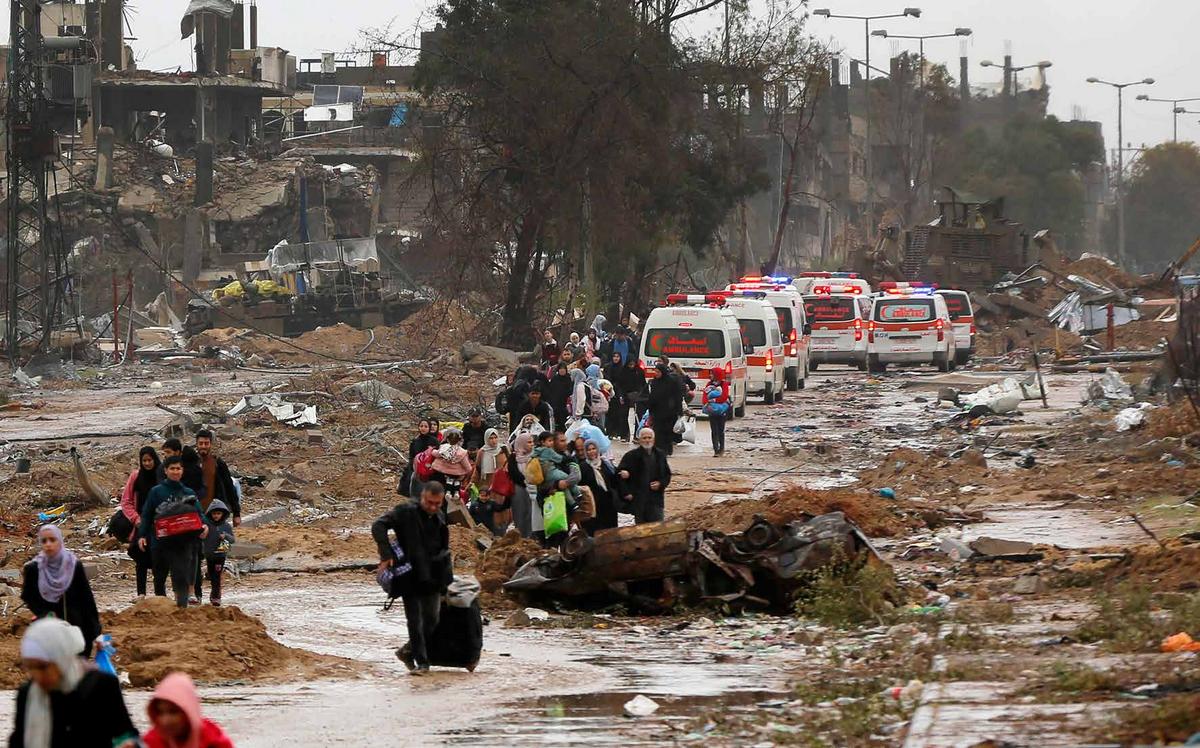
column 645, row 475
column 424, row 539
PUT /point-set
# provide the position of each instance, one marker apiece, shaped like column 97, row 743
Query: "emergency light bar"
column 843, row 275
column 826, row 290
column 768, row 280
column 744, row 293
column 903, row 287
column 682, row 299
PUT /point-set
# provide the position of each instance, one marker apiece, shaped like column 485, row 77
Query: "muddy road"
column 565, row 685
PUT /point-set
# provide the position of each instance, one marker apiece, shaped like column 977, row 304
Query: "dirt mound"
column 212, row 645
column 1178, row 419
column 1101, row 271
column 463, row 548
column 500, row 561
column 874, row 515
column 910, row 472
column 1140, row 335
column 12, row 628
column 1175, row 568
column 444, row 324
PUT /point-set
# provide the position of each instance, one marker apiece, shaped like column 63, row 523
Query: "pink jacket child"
column 451, row 460
column 174, row 712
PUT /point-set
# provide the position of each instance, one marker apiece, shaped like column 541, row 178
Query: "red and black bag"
column 179, row 516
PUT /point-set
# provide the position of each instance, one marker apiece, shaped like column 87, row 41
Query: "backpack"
column 179, row 516
column 503, row 401
column 423, row 464
column 533, row 472
column 120, row 526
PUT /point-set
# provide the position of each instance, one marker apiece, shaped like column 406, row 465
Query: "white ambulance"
column 762, row 341
column 838, row 316
column 909, row 324
column 698, row 332
column 963, row 317
column 793, row 323
column 806, row 281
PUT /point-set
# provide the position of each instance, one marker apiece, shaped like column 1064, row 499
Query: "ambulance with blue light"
column 838, row 315
column 788, row 304
column 909, row 324
column 699, row 332
column 762, row 342
column 807, row 280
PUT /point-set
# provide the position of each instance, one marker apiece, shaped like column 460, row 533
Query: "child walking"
column 174, row 712
column 216, row 546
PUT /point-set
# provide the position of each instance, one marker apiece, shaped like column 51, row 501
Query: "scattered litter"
column 25, row 380
column 377, row 393
column 50, row 515
column 887, row 493
column 908, row 695
column 640, row 706
column 955, row 549
column 1181, row 642
column 1132, row 418
column 1002, row 397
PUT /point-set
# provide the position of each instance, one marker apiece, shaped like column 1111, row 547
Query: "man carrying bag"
column 424, row 539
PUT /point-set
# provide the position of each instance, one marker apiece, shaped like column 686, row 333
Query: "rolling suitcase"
column 458, row 639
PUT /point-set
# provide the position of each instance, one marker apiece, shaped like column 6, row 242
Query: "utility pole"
column 35, row 271
column 1176, row 110
column 1121, row 259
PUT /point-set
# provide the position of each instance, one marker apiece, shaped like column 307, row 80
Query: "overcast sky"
column 1118, row 40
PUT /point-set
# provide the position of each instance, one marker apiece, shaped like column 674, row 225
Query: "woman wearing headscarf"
column 581, row 402
column 424, row 439
column 133, row 500
column 451, row 463
column 598, row 326
column 522, row 503
column 600, row 476
column 492, row 509
column 630, row 384
column 65, row 703
column 575, row 346
column 176, row 720
column 591, row 344
column 55, row 584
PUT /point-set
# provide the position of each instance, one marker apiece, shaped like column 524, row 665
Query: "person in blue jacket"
column 172, row 551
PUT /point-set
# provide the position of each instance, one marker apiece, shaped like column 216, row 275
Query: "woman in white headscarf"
column 491, row 510
column 522, row 499
column 54, row 584
column 65, row 703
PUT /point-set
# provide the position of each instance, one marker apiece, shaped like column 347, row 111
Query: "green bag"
column 554, row 513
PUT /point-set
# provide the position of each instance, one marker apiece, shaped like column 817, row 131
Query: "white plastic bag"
column 689, row 429
column 680, row 425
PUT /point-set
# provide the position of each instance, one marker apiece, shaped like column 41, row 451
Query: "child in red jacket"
column 175, row 713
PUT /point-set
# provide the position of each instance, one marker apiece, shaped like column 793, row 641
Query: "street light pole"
column 914, row 13
column 1121, row 157
column 1176, row 110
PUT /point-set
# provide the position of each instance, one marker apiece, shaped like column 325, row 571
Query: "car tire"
column 791, row 378
column 803, row 381
column 769, row 393
column 874, row 365
column 812, row 366
column 962, row 357
column 942, row 361
column 740, row 411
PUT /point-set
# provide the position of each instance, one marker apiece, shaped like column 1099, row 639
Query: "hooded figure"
column 598, row 326
column 666, row 405
column 593, row 375
column 65, row 703
column 174, row 710
column 580, row 400
column 557, row 394
column 54, row 584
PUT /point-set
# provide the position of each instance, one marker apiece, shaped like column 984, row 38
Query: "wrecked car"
column 658, row 565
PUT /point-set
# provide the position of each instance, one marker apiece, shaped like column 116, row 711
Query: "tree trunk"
column 514, row 326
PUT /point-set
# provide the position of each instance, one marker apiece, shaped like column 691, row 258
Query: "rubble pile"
column 877, row 517
column 213, row 645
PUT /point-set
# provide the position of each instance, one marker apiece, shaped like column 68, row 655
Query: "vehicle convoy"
column 698, row 332
column 963, row 317
column 909, row 324
column 838, row 315
column 762, row 342
column 793, row 323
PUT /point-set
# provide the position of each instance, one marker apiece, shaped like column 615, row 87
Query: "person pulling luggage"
column 423, row 543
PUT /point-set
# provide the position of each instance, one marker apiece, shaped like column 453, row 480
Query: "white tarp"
column 1132, row 418
column 1003, row 397
column 329, row 113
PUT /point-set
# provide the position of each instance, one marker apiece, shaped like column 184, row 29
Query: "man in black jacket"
column 541, row 410
column 645, row 475
column 422, row 535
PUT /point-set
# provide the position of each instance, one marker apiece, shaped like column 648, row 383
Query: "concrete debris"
column 25, row 380
column 1110, row 387
column 956, row 549
column 377, row 393
column 1000, row 548
column 1002, row 397
column 296, row 415
column 640, row 706
column 1028, row 584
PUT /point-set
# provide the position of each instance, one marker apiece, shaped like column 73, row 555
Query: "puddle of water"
column 1054, row 524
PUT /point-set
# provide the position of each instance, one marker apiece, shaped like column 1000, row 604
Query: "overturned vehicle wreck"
column 662, row 564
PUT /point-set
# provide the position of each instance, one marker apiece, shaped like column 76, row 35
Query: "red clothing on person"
column 718, row 378
column 178, row 689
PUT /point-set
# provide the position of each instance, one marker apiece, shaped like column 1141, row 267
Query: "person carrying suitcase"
column 424, row 540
